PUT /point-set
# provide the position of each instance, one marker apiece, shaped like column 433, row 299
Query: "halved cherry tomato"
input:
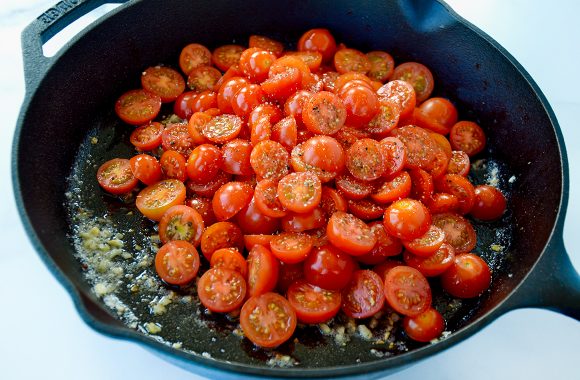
column 403, row 94
column 468, row 137
column 192, row 56
column 386, row 119
column 229, row 258
column 395, row 155
column 324, row 113
column 181, row 222
column 148, row 136
column 312, row 303
column 350, row 234
column 236, row 157
column 154, row 200
column 251, row 240
column 397, row 188
column 426, row 244
column 227, row 55
column 115, row 176
column 230, row 199
column 203, row 78
column 421, row 149
column 282, row 85
column 173, row 165
column 313, row 59
column 458, row 231
column 227, row 91
column 268, row 320
column 195, row 125
column 221, row 290
column 266, row 43
column 442, row 142
column 418, row 75
column 252, row 221
column 291, row 248
column 386, row 246
column 436, row 114
column 286, row 132
column 459, row 163
column 295, row 104
column 365, row 209
column 204, row 163
column 351, row 78
column 176, row 137
column 365, row 160
column 319, row 40
column 422, row 186
column 364, row 296
column 221, row 235
column 329, row 268
column 353, row 188
column 346, row 60
column 163, row 81
column 460, row 187
column 182, row 106
column 145, row 168
column 329, row 80
column 433, row 265
column 222, row 128
column 137, row 107
column 255, row 63
column 300, row 191
column 468, row 277
column 361, row 103
column 331, row 201
column 424, row 327
column 442, row 203
column 177, row 262
column 407, row 219
column 299, row 222
column 266, row 198
column 407, row 291
column 322, row 155
column 269, row 160
column 382, row 65
column 490, row 203
column 262, row 270
column 203, row 206
column 208, row 189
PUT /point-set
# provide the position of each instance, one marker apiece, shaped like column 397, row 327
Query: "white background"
column 42, row 336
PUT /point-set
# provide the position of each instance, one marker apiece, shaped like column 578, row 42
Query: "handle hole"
column 53, row 45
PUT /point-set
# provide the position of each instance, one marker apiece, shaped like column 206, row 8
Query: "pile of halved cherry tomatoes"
column 312, row 181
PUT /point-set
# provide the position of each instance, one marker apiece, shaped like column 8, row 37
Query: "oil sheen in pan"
column 115, row 246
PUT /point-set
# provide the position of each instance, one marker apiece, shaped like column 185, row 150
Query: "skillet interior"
column 76, row 98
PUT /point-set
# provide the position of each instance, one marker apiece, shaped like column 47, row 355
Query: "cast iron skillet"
column 72, row 94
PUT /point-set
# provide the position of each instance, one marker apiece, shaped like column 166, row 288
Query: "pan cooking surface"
column 115, row 246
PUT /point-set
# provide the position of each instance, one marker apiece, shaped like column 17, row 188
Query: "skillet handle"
column 553, row 284
column 46, row 26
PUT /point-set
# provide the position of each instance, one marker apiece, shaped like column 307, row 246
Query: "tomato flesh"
column 312, row 303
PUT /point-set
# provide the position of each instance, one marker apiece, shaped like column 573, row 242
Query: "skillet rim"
column 83, row 303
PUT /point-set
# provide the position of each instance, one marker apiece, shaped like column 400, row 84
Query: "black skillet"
column 70, row 98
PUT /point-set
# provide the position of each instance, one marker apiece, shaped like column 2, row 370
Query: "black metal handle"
column 553, row 283
column 47, row 25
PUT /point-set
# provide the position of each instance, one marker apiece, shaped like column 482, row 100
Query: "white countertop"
column 43, row 336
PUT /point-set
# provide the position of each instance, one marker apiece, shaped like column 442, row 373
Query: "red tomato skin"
column 204, row 162
column 252, row 221
column 364, row 296
column 146, row 168
column 230, row 199
column 329, row 268
column 424, row 327
column 407, row 219
column 122, row 181
column 319, row 40
column 328, row 305
column 263, row 268
column 468, row 277
column 490, row 203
